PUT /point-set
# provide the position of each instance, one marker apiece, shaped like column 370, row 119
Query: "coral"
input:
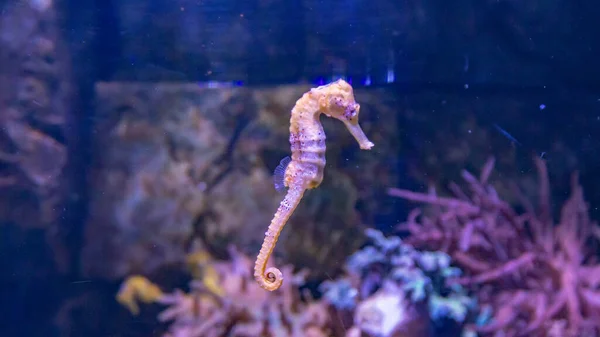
column 382, row 314
column 541, row 278
column 138, row 289
column 226, row 301
column 389, row 283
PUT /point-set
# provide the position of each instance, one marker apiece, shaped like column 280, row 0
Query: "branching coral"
column 541, row 278
column 226, row 301
column 397, row 289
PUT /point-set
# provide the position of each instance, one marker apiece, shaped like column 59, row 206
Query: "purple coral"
column 243, row 309
column 541, row 278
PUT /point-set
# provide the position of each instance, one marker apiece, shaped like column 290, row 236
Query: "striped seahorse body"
column 307, row 142
column 305, row 170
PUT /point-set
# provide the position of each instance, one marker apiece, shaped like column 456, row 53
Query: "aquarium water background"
column 138, row 141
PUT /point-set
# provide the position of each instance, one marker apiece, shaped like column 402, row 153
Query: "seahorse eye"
column 351, row 112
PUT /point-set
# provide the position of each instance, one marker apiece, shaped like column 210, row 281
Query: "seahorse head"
column 338, row 102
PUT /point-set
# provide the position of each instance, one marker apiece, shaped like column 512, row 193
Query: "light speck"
column 41, row 5
column 466, row 86
column 542, row 106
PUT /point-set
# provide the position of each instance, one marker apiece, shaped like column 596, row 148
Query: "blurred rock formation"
column 33, row 158
column 32, row 117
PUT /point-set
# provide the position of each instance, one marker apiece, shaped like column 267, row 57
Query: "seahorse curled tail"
column 271, row 278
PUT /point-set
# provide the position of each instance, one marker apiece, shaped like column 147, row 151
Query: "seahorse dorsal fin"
column 279, row 174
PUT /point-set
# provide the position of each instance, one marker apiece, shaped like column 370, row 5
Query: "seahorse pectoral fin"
column 279, row 174
column 358, row 134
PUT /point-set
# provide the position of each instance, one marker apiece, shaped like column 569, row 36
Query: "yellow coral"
column 201, row 267
column 242, row 310
column 196, row 260
column 138, row 288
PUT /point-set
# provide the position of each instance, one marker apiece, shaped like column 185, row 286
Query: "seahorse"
column 305, row 168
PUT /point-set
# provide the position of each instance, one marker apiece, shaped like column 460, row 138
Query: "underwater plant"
column 541, row 278
column 304, row 170
column 396, row 290
column 224, row 300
